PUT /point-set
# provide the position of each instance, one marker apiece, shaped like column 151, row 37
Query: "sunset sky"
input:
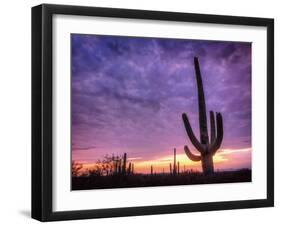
column 128, row 95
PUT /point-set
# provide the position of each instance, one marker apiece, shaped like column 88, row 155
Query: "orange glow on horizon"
column 224, row 159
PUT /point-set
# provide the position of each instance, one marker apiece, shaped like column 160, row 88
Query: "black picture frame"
column 42, row 106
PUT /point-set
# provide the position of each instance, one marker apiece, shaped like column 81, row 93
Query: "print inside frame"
column 129, row 94
column 52, row 29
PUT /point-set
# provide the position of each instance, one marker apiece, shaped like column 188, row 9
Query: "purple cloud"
column 128, row 93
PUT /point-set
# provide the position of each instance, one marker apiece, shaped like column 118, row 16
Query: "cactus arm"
column 201, row 104
column 190, row 155
column 191, row 135
column 212, row 125
column 217, row 143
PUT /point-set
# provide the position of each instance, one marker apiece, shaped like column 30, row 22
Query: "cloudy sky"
column 128, row 95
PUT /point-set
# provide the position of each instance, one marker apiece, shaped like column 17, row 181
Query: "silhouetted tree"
column 112, row 165
column 76, row 167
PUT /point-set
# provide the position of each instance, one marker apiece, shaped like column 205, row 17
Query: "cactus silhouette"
column 124, row 166
column 207, row 148
column 129, row 170
column 119, row 166
column 175, row 160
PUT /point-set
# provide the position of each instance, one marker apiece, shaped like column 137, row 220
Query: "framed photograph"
column 145, row 112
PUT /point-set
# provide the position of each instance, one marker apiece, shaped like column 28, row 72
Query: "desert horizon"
column 228, row 160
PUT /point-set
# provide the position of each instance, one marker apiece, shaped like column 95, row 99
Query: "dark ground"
column 145, row 180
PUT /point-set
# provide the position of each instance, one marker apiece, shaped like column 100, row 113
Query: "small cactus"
column 124, row 163
column 175, row 160
column 119, row 166
column 115, row 166
column 129, row 170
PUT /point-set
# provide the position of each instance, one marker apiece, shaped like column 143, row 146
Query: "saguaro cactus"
column 119, row 166
column 207, row 148
column 175, row 160
column 115, row 160
column 129, row 170
column 124, row 166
